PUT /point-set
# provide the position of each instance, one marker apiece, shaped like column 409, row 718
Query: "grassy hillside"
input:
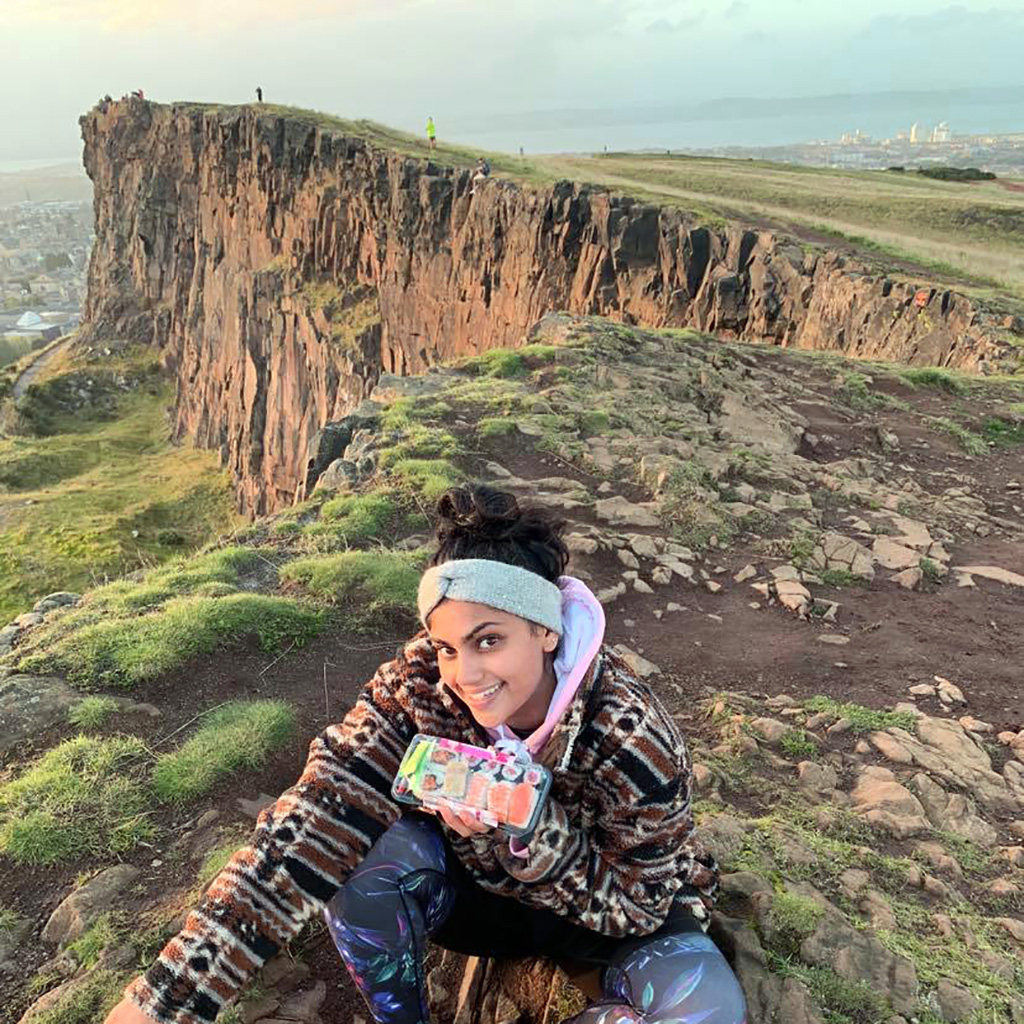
column 90, row 484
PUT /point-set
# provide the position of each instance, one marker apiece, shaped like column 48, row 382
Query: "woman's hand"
column 126, row 1012
column 463, row 822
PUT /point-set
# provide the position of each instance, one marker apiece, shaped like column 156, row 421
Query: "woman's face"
column 494, row 662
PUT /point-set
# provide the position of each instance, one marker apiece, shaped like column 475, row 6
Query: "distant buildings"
column 915, row 130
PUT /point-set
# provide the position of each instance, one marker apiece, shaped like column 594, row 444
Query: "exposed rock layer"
column 211, row 225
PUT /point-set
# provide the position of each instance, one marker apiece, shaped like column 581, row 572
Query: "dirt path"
column 45, row 357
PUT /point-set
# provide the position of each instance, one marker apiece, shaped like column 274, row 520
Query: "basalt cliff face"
column 282, row 266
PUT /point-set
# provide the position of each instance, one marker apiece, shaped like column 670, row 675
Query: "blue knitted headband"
column 495, row 584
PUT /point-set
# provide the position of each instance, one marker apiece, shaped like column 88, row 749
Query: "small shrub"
column 844, row 1002
column 801, row 548
column 83, row 797
column 384, row 580
column 241, row 735
column 8, row 919
column 92, row 712
column 1003, row 433
column 854, row 390
column 862, row 719
column 930, row 570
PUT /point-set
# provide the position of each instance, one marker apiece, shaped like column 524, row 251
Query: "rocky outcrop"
column 282, row 265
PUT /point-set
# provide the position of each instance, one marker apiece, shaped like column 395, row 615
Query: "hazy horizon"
column 474, row 62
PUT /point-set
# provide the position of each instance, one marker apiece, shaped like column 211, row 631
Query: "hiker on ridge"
column 259, row 94
column 612, row 878
column 431, row 133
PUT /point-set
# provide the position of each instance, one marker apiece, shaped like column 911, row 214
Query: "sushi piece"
column 455, row 779
column 498, row 800
column 476, row 794
column 521, row 805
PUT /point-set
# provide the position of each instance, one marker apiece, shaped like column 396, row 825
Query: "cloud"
column 736, row 10
column 664, row 25
column 144, row 15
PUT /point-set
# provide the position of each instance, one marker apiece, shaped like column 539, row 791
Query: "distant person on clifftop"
column 612, row 878
column 481, row 172
column 259, row 94
column 431, row 133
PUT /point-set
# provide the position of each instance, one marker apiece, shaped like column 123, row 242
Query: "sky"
column 473, row 63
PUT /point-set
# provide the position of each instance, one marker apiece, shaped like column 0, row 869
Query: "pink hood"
column 582, row 634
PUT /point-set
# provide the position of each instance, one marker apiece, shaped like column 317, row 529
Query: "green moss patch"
column 126, row 651
column 379, row 580
column 862, row 719
column 241, row 735
column 87, row 796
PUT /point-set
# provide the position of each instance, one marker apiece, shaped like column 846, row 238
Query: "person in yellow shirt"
column 431, row 133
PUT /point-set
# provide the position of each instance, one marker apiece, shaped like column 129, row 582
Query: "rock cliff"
column 281, row 265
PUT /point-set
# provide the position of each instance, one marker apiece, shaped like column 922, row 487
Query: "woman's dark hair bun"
column 478, row 521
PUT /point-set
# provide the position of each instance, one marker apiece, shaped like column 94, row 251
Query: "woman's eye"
column 444, row 652
column 487, row 642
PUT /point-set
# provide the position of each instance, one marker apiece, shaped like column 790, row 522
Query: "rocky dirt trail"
column 799, row 555
column 36, row 367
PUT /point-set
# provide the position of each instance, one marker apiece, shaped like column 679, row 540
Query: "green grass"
column 505, row 363
column 85, row 797
column 8, row 919
column 930, row 570
column 241, row 735
column 969, row 441
column 89, row 1002
column 350, row 312
column 13, row 349
column 839, row 578
column 496, row 426
column 934, row 377
column 426, row 479
column 841, row 1001
column 380, row 580
column 792, row 919
column 360, row 517
column 687, row 509
column 97, row 937
column 70, row 501
column 91, row 712
column 862, row 719
column 854, row 390
column 123, row 652
column 797, row 743
column 1004, row 433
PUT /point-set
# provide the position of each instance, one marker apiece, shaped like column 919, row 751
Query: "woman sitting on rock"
column 612, row 877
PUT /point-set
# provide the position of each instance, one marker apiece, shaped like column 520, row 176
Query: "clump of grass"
column 8, row 919
column 495, row 426
column 505, row 363
column 971, row 857
column 382, row 580
column 797, row 743
column 242, row 734
column 1003, row 433
column 930, row 570
column 687, row 505
column 792, row 919
column 969, row 441
column 862, row 719
column 843, row 1001
column 124, row 652
column 839, row 577
column 87, row 1002
column 86, row 796
column 92, row 712
column 97, row 937
column 426, row 478
column 854, row 390
column 933, row 377
column 801, row 548
column 360, row 517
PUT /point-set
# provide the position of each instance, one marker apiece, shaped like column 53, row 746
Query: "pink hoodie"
column 582, row 635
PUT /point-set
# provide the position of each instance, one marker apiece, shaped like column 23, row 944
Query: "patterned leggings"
column 406, row 889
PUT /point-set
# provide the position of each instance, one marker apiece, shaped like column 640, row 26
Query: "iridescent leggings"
column 407, row 888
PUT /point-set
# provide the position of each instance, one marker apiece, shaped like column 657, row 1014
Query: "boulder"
column 619, row 512
column 892, row 555
column 992, row 572
column 87, row 903
column 955, row 1002
column 886, row 803
column 30, row 705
